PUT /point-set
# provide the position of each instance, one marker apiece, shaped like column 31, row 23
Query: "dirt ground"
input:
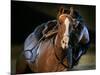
column 87, row 62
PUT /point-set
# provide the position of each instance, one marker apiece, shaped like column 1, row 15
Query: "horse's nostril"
column 63, row 41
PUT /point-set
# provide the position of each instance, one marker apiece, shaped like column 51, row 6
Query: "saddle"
column 42, row 32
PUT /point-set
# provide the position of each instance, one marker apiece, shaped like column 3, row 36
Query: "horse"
column 52, row 50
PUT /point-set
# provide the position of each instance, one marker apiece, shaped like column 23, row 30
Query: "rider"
column 80, row 38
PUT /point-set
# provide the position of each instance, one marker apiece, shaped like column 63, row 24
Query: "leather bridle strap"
column 60, row 61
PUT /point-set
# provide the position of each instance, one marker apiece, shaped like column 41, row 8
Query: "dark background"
column 25, row 16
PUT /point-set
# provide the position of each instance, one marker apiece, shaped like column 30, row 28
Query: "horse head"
column 65, row 22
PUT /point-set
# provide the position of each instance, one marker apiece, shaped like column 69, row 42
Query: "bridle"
column 60, row 61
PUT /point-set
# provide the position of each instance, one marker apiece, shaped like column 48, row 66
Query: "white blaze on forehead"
column 65, row 39
column 67, row 26
column 66, row 23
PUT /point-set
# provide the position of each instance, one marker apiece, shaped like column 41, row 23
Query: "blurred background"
column 26, row 16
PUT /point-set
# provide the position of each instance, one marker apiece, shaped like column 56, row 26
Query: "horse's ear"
column 61, row 10
column 71, row 11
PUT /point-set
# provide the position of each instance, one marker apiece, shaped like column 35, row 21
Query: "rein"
column 59, row 60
